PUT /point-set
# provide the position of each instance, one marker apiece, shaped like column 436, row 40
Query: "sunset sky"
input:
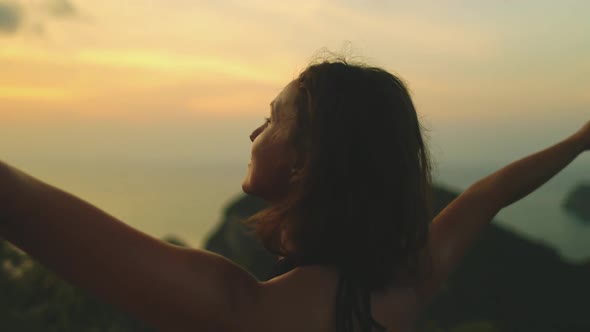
column 189, row 79
column 144, row 108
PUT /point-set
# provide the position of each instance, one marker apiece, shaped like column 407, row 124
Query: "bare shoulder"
column 308, row 292
column 299, row 300
column 303, row 279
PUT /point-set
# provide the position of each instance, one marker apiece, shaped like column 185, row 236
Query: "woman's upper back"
column 303, row 299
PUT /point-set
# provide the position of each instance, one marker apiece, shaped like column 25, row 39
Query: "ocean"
column 539, row 216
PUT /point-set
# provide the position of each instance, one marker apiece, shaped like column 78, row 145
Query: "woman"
column 343, row 162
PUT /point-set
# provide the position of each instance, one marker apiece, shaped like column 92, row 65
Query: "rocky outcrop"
column 517, row 283
column 233, row 240
column 577, row 202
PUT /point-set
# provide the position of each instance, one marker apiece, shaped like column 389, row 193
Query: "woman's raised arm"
column 458, row 225
column 169, row 287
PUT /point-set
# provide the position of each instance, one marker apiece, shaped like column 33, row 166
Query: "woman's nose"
column 255, row 134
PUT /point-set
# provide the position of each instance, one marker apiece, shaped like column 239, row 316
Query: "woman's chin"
column 262, row 189
column 246, row 188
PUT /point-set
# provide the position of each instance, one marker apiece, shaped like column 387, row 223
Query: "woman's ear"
column 296, row 176
column 298, row 169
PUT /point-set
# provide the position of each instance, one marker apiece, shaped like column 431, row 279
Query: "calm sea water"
column 186, row 200
column 539, row 216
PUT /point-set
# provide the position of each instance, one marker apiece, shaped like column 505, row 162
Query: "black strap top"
column 284, row 265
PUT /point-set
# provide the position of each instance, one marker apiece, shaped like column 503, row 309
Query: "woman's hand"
column 583, row 135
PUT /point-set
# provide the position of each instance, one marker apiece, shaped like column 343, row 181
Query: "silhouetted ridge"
column 577, row 202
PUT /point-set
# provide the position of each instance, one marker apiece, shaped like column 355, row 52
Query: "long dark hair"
column 362, row 200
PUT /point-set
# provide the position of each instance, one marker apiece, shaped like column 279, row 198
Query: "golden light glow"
column 217, row 57
column 39, row 93
column 154, row 60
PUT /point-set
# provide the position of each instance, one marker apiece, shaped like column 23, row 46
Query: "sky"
column 145, row 108
column 189, row 80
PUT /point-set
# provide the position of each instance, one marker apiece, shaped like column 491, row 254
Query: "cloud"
column 11, row 17
column 61, row 8
column 13, row 12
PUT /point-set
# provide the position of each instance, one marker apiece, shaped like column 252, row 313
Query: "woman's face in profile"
column 272, row 156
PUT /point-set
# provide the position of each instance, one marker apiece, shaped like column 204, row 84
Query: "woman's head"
column 347, row 172
column 273, row 154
